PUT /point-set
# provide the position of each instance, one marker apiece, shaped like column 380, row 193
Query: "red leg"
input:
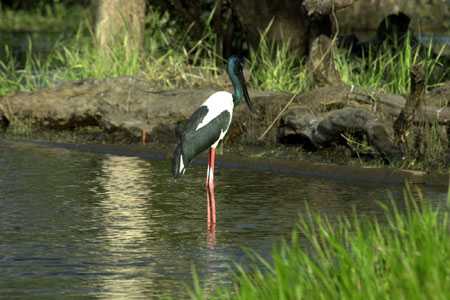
column 211, row 203
column 211, row 236
column 144, row 136
column 212, row 199
column 207, row 189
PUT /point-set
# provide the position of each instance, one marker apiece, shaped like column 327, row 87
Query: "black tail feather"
column 179, row 128
column 178, row 164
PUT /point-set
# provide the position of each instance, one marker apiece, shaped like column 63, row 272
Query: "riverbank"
column 276, row 160
column 168, row 65
column 345, row 128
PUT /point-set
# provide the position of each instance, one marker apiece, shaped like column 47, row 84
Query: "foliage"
column 405, row 257
column 165, row 59
column 274, row 67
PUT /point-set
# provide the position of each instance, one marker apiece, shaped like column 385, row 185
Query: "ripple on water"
column 104, row 226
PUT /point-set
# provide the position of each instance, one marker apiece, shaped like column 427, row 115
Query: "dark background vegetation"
column 32, row 4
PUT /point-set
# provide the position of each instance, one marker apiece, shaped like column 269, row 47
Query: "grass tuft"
column 172, row 59
column 405, row 257
column 274, row 67
column 389, row 68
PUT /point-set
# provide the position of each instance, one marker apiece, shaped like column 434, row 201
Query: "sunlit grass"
column 389, row 69
column 171, row 59
column 275, row 67
column 406, row 257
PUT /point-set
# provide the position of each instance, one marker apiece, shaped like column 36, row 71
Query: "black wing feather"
column 192, row 142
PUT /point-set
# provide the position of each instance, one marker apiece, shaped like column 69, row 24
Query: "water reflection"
column 124, row 184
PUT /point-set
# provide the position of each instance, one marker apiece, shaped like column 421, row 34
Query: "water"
column 80, row 225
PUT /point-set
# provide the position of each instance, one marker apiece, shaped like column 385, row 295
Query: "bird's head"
column 235, row 69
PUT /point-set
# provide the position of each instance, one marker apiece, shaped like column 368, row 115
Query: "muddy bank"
column 257, row 159
column 130, row 110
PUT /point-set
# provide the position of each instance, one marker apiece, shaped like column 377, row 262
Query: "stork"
column 207, row 126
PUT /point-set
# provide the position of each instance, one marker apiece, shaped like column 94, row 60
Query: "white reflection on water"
column 125, row 185
column 142, row 256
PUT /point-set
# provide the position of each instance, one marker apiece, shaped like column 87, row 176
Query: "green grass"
column 171, row 59
column 168, row 59
column 406, row 257
column 275, row 68
column 389, row 69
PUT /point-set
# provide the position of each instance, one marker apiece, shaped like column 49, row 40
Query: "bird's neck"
column 238, row 92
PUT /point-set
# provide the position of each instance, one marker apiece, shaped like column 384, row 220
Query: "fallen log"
column 390, row 105
column 132, row 106
column 325, row 7
column 126, row 105
column 300, row 125
column 322, row 116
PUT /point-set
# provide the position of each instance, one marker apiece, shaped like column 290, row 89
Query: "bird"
column 207, row 126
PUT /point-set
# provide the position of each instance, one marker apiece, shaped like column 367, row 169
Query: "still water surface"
column 80, row 225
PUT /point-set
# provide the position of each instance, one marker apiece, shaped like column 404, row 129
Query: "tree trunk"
column 120, row 21
column 413, row 104
column 299, row 22
column 287, row 20
column 321, row 64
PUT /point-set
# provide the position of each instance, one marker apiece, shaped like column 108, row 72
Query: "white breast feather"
column 216, row 104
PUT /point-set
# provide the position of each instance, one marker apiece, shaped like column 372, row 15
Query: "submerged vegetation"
column 403, row 257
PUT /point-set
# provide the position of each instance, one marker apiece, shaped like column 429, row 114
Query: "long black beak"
column 244, row 89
